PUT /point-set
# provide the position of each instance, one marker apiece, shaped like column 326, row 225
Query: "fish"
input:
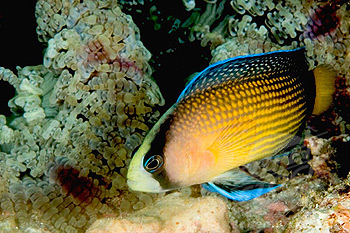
column 234, row 112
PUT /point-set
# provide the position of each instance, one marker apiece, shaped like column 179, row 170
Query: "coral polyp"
column 78, row 117
column 324, row 19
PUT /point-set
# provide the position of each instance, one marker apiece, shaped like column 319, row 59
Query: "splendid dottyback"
column 232, row 113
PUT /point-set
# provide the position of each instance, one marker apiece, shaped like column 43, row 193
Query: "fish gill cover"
column 78, row 117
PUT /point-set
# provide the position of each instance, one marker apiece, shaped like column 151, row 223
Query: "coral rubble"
column 76, row 118
column 172, row 213
column 331, row 214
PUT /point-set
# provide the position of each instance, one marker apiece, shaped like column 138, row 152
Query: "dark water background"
column 171, row 60
column 19, row 45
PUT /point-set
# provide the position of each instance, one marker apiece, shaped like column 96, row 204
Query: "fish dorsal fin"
column 228, row 147
column 212, row 75
column 239, row 186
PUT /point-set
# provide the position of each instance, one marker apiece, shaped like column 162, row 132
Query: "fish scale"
column 267, row 106
column 231, row 102
column 239, row 105
column 230, row 119
column 238, row 70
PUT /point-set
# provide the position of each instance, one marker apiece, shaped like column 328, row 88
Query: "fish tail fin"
column 325, row 88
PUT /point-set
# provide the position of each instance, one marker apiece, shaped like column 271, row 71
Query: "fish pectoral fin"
column 230, row 145
column 241, row 187
column 296, row 141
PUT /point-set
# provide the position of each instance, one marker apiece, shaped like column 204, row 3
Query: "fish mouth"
column 138, row 179
column 132, row 184
column 146, row 185
column 142, row 181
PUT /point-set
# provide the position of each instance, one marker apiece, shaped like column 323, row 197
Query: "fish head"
column 147, row 169
column 147, row 172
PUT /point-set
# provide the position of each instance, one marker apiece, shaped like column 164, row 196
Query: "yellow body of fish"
column 234, row 112
column 231, row 125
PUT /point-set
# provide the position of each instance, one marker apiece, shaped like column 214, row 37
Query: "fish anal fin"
column 237, row 194
column 239, row 186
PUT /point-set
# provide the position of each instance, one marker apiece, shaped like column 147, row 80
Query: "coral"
column 247, row 27
column 342, row 98
column 271, row 212
column 332, row 214
column 77, row 118
column 323, row 20
column 329, row 156
column 172, row 213
column 280, row 22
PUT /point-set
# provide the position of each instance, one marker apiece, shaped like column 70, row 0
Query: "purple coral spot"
column 96, row 54
column 323, row 20
column 82, row 189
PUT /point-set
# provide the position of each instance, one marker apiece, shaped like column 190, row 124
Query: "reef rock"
column 172, row 213
column 331, row 215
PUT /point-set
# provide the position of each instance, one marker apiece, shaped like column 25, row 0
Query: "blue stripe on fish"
column 236, row 194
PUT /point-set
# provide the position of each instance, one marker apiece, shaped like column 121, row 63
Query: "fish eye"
column 154, row 163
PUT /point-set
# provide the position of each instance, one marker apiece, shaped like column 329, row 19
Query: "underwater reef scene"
column 110, row 68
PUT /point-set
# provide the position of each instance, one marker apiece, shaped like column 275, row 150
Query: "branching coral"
column 323, row 19
column 263, row 26
column 77, row 118
column 280, row 22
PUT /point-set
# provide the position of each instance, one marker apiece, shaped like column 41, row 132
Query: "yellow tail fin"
column 324, row 82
